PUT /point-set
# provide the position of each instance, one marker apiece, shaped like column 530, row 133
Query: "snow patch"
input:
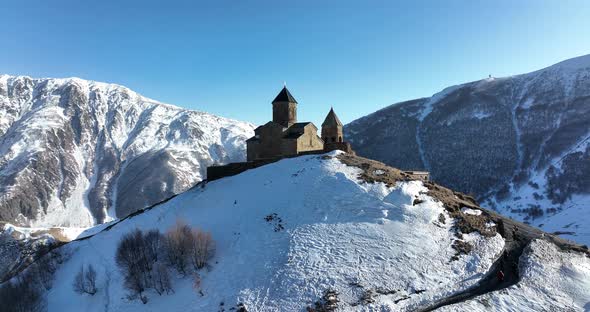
column 469, row 211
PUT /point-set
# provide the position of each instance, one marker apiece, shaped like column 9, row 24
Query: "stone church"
column 284, row 136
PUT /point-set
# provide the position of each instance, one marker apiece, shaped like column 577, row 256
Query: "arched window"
column 333, row 139
column 339, row 139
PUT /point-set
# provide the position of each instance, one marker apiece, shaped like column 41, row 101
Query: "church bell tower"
column 332, row 128
column 284, row 108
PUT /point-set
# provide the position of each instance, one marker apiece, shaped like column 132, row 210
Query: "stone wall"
column 218, row 172
column 342, row 146
column 309, row 141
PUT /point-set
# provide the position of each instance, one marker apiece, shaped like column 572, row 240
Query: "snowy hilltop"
column 329, row 232
column 520, row 144
column 76, row 153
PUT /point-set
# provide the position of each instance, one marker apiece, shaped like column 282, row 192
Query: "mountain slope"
column 77, row 153
column 521, row 144
column 289, row 231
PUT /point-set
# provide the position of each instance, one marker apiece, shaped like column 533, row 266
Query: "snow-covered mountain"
column 76, row 153
column 346, row 229
column 520, row 144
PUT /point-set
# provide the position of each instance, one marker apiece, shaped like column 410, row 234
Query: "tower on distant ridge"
column 284, row 108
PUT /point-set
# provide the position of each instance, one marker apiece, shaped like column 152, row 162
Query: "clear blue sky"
column 231, row 57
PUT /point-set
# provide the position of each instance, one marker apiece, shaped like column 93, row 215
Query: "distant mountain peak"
column 74, row 152
column 576, row 63
column 519, row 143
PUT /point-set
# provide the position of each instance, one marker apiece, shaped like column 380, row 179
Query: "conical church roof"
column 284, row 96
column 331, row 120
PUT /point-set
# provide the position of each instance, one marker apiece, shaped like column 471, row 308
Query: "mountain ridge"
column 491, row 136
column 95, row 141
column 337, row 224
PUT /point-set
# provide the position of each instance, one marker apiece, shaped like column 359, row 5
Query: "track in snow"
column 516, row 238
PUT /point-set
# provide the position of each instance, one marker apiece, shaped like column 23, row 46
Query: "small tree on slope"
column 203, row 248
column 131, row 257
column 179, row 243
column 85, row 281
column 138, row 257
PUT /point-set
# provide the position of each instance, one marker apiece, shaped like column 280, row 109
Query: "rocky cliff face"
column 76, row 152
column 520, row 144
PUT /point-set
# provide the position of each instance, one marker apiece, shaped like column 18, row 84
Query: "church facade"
column 284, row 136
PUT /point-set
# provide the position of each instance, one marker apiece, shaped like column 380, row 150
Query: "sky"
column 231, row 58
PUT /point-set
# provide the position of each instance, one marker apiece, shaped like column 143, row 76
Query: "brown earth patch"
column 374, row 171
column 461, row 248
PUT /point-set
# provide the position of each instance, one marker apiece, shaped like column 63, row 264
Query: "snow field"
column 328, row 230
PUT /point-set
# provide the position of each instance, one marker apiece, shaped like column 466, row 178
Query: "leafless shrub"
column 85, row 281
column 162, row 279
column 203, row 248
column 144, row 258
column 137, row 256
column 130, row 259
column 154, row 245
column 179, row 243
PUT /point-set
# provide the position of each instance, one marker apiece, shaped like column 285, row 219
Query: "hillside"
column 338, row 227
column 519, row 144
column 76, row 153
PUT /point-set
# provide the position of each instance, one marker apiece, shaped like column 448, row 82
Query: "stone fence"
column 218, row 172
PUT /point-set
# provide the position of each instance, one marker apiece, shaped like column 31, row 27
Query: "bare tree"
column 162, row 279
column 78, row 283
column 85, row 281
column 154, row 242
column 130, row 258
column 138, row 257
column 135, row 285
column 90, row 280
column 203, row 248
column 179, row 242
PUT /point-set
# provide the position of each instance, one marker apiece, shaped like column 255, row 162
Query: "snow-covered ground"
column 570, row 219
column 337, row 233
column 551, row 280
